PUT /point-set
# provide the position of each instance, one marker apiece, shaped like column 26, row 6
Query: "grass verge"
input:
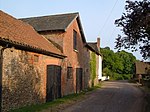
column 52, row 105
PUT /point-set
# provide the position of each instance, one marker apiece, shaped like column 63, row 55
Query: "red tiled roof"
column 16, row 31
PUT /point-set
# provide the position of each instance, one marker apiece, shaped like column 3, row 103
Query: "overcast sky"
column 97, row 16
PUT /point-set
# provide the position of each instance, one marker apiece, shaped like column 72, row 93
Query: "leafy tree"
column 128, row 61
column 108, row 62
column 135, row 26
column 107, row 72
column 119, row 65
column 111, row 60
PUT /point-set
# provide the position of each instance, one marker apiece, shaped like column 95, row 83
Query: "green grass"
column 53, row 104
column 39, row 107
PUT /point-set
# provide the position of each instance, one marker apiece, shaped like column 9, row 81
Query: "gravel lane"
column 114, row 96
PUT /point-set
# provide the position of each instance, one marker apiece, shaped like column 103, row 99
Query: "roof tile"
column 93, row 46
column 20, row 32
column 51, row 22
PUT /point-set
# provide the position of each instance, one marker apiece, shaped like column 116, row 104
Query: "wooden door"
column 53, row 82
column 79, row 73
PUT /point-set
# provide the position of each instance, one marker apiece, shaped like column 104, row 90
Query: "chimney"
column 98, row 42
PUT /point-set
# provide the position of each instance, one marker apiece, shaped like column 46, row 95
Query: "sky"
column 97, row 16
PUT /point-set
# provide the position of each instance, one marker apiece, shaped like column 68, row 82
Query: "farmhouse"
column 44, row 58
column 66, row 32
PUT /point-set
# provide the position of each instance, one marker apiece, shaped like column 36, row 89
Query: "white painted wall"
column 100, row 68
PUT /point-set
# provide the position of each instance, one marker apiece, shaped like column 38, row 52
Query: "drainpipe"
column 1, row 69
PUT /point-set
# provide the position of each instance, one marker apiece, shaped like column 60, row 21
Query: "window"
column 69, row 72
column 74, row 40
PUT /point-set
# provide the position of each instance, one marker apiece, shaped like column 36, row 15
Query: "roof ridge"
column 61, row 14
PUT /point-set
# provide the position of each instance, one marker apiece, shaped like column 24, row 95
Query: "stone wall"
column 24, row 78
column 97, row 70
column 87, row 71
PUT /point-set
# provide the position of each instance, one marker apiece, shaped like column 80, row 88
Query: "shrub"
column 127, row 76
column 117, row 76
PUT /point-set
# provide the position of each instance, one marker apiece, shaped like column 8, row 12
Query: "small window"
column 74, row 40
column 36, row 58
column 69, row 72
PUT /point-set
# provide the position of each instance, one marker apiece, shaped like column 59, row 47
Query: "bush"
column 117, row 76
column 127, row 76
column 107, row 72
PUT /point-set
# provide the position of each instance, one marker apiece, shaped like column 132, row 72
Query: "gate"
column 79, row 73
column 53, row 87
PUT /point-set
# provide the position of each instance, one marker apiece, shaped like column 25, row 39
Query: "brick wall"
column 24, row 78
column 87, row 73
column 54, row 36
column 75, row 59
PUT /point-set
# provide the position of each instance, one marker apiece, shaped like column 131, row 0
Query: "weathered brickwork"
column 54, row 36
column 86, row 60
column 24, row 73
column 75, row 59
column 24, row 78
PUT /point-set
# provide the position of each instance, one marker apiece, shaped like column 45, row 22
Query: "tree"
column 128, row 61
column 119, row 65
column 135, row 26
column 111, row 60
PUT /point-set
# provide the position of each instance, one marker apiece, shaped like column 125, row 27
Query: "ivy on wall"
column 93, row 67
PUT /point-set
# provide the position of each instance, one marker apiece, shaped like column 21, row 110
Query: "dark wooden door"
column 53, row 90
column 79, row 73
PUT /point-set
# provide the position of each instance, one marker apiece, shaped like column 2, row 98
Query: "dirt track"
column 114, row 96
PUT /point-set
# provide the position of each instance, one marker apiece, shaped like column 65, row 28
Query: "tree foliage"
column 119, row 64
column 135, row 26
column 127, row 60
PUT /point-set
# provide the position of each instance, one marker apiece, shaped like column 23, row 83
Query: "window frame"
column 74, row 40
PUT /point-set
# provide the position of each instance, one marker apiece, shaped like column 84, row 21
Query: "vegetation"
column 54, row 105
column 119, row 65
column 93, row 67
column 135, row 26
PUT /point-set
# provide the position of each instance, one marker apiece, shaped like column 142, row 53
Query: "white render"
column 100, row 68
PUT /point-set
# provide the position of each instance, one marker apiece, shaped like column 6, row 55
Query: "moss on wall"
column 93, row 67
